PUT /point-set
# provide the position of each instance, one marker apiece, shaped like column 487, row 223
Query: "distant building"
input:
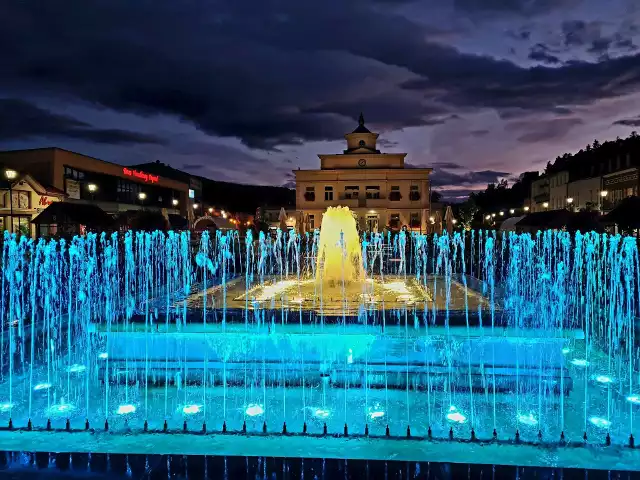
column 21, row 200
column 112, row 187
column 376, row 186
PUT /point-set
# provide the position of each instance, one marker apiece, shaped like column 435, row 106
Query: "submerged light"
column 126, row 409
column 76, row 368
column 376, row 411
column 579, row 362
column 5, row 407
column 603, row 378
column 42, row 386
column 566, row 350
column 455, row 416
column 191, row 409
column 321, row 413
column 634, row 399
column 103, row 355
column 600, row 422
column 60, row 408
column 253, row 410
column 528, row 419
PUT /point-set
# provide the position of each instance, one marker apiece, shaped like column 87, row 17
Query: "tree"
column 435, row 196
column 467, row 212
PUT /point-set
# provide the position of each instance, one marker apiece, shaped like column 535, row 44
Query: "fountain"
column 310, row 343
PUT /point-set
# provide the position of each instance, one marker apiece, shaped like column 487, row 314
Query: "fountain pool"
column 425, row 345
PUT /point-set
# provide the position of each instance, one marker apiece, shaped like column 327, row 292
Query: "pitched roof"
column 86, row 214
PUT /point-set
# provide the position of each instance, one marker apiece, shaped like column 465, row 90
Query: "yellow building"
column 375, row 185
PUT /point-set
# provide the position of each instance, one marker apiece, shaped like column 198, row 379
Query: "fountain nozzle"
column 106, row 425
column 86, row 424
column 165, row 426
column 562, row 436
column 346, row 430
column 366, row 430
column 451, row 433
column 632, row 441
column 244, row 426
column 540, row 435
column 304, row 428
column 204, row 427
column 429, row 432
column 10, row 424
column 517, row 436
column 29, row 425
column 473, row 435
column 146, row 426
column 387, row 432
column 324, row 428
column 264, row 427
column 408, row 431
column 184, row 426
column 284, row 428
column 48, row 424
column 224, row 427
column 495, row 434
column 584, row 437
column 67, row 425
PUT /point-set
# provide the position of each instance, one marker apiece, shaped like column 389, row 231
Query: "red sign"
column 44, row 201
column 147, row 177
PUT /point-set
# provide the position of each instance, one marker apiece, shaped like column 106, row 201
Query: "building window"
column 394, row 195
column 414, row 193
column 22, row 225
column 73, row 173
column 328, row 194
column 394, row 220
column 312, row 222
column 20, row 199
column 372, row 192
column 351, row 191
column 310, row 194
column 415, row 220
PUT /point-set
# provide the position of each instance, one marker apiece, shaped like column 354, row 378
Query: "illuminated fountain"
column 339, row 252
column 501, row 338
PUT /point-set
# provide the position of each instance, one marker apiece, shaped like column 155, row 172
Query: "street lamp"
column 493, row 215
column 174, row 202
column 512, row 211
column 141, row 197
column 195, row 205
column 502, row 214
column 488, row 217
column 210, row 209
column 92, row 187
column 570, row 200
column 603, row 195
column 10, row 175
column 526, row 209
column 545, row 204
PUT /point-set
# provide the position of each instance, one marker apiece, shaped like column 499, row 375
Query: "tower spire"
column 361, row 120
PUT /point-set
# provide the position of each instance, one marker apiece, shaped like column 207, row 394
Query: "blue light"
column 61, row 409
column 528, row 419
column 321, row 413
column 579, row 362
column 253, row 410
column 42, row 386
column 635, row 399
column 103, row 355
column 5, row 407
column 605, row 379
column 126, row 409
column 600, row 422
column 455, row 416
column 191, row 409
column 76, row 368
column 376, row 411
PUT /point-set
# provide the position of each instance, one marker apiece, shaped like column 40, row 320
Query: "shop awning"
column 65, row 213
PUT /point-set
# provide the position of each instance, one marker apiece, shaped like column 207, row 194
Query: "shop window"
column 20, row 199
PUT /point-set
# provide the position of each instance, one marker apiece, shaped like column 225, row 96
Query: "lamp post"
column 10, row 175
column 174, row 202
column 92, row 187
column 603, row 195
column 141, row 197
column 569, row 203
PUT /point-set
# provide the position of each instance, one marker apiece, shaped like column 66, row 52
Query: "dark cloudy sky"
column 247, row 90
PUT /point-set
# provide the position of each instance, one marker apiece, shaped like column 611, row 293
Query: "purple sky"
column 247, row 90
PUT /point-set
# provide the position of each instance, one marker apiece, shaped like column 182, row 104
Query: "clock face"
column 362, row 162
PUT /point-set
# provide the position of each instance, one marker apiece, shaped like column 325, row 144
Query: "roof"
column 509, row 225
column 625, row 214
column 361, row 128
column 86, row 214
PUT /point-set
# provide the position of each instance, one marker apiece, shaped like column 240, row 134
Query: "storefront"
column 114, row 188
column 21, row 200
column 618, row 186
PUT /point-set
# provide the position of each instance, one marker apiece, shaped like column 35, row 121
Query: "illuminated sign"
column 192, row 193
column 44, row 201
column 147, row 177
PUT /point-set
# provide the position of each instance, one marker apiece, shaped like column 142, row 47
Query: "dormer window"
column 361, row 143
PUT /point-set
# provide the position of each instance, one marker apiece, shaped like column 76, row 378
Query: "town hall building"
column 375, row 186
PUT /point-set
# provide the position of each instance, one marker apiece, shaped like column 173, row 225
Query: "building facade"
column 585, row 193
column 618, row 186
column 539, row 195
column 114, row 188
column 21, row 200
column 375, row 186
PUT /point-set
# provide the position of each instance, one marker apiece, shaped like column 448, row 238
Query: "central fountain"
column 319, row 339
